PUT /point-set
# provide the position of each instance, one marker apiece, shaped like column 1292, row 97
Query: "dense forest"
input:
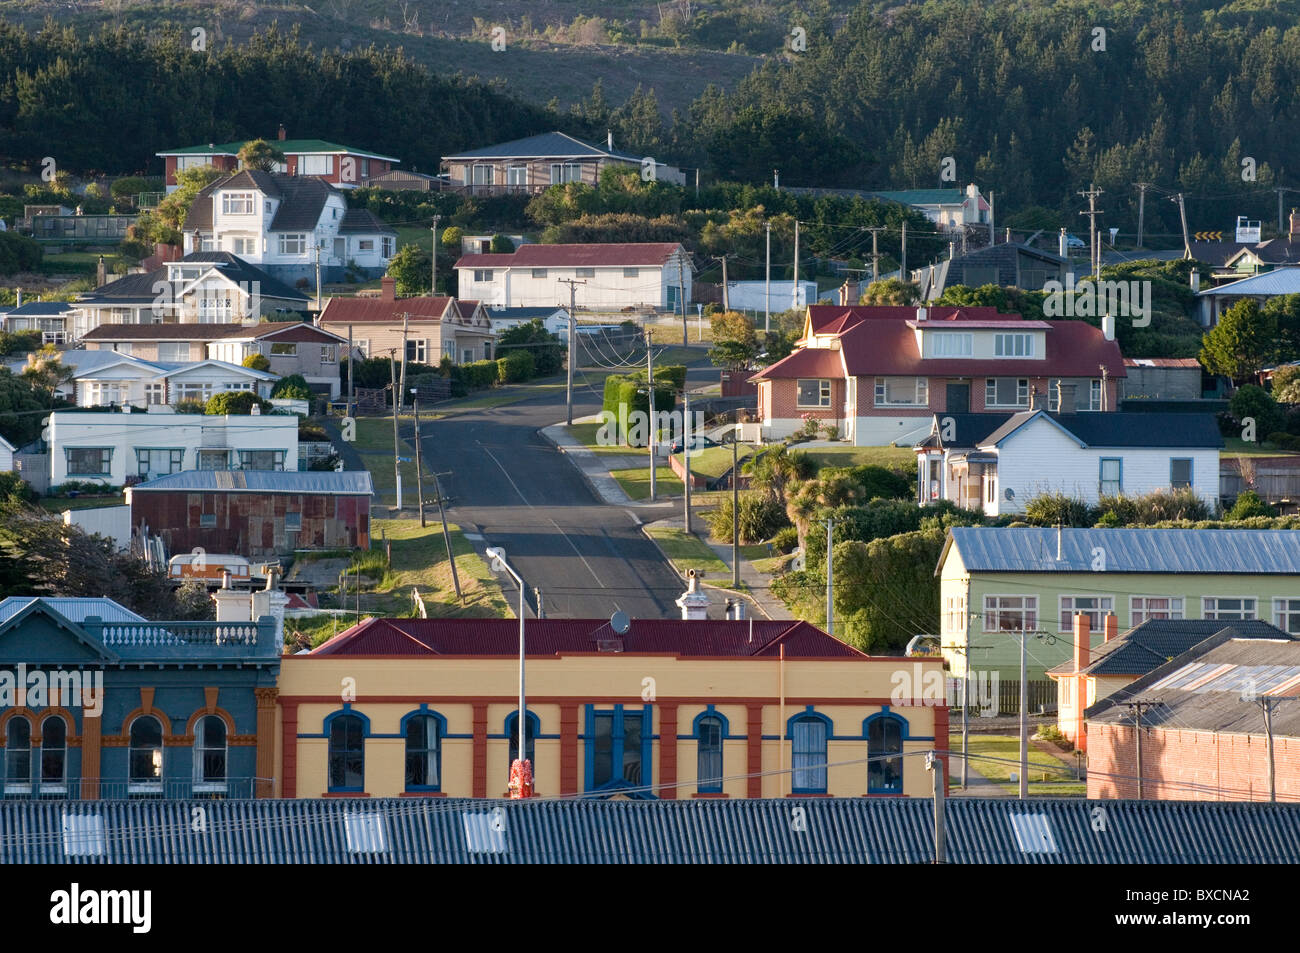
column 1031, row 100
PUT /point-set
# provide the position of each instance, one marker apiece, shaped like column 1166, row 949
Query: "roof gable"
column 39, row 632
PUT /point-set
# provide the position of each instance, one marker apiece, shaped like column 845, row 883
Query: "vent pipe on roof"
column 609, row 139
column 1059, row 532
column 922, row 314
column 1108, row 326
column 1194, row 279
column 1063, row 245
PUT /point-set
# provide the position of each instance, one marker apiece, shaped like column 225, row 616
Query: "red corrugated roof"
column 613, row 254
column 823, row 315
column 360, row 310
column 1161, row 362
column 805, row 362
column 548, row 637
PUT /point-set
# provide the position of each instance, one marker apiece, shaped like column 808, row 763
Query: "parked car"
column 698, row 442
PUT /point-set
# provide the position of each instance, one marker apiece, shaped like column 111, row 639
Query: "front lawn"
column 636, row 482
column 712, row 462
column 847, row 456
column 687, row 551
column 1048, row 775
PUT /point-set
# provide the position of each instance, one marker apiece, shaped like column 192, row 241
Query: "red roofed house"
column 619, row 276
column 881, row 373
column 671, row 708
column 436, row 327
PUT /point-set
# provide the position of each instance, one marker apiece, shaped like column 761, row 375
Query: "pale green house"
column 997, row 581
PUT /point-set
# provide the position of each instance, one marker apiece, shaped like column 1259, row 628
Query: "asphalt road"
column 515, row 489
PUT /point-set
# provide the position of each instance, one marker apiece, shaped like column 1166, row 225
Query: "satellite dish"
column 620, row 623
column 1010, row 493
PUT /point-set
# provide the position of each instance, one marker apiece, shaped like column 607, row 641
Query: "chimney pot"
column 387, row 288
column 1112, row 626
column 922, row 314
column 281, row 134
column 1082, row 640
column 1108, row 326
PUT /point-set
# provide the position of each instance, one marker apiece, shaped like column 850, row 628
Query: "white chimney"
column 270, row 602
column 1108, row 326
column 1195, row 280
column 693, row 603
column 922, row 314
column 609, row 139
column 18, row 296
column 1063, row 245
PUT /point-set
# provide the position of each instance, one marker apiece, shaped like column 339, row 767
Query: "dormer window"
column 948, row 344
column 237, row 203
column 1013, row 345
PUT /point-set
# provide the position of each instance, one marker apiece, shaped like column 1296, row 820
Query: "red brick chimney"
column 282, row 135
column 1082, row 640
column 387, row 288
column 1112, row 626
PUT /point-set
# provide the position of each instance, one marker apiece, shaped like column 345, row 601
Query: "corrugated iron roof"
column 1033, row 549
column 323, row 482
column 1279, row 281
column 72, row 608
column 807, row 831
column 1156, row 641
column 1137, row 430
column 494, row 637
column 609, row 254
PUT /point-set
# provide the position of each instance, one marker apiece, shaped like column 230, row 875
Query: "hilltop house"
column 52, row 318
column 288, row 225
column 536, row 163
column 950, row 209
column 1007, row 264
column 435, row 327
column 343, row 166
column 618, row 276
column 997, row 462
column 880, row 373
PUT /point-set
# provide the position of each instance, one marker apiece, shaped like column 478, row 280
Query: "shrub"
column 514, row 367
column 1284, row 441
column 257, row 362
column 293, row 387
column 1054, row 735
column 451, row 238
column 1257, row 404
column 1249, row 504
column 1048, row 509
column 18, row 253
column 478, row 374
column 760, row 518
column 502, row 245
column 877, row 481
column 14, row 488
column 236, row 402
column 785, row 540
column 831, row 432
column 188, row 406
column 1286, row 384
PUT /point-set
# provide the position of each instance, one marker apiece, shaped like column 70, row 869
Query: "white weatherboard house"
column 996, row 463
column 107, row 448
column 103, row 378
column 611, row 277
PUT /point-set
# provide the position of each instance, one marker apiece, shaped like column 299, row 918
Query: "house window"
column 539, row 272
column 365, row 168
column 315, row 165
column 517, row 175
column 991, row 483
column 365, row 244
column 466, row 356
column 814, row 393
column 482, row 274
column 199, row 392
column 387, row 243
column 1286, row 615
column 210, row 755
column 1094, row 395
column 362, row 347
column 976, row 276
column 1095, row 607
column 630, row 272
column 283, row 348
column 710, row 729
column 482, row 175
column 293, row 244
column 423, row 752
column 347, row 753
column 1142, row 608
column 155, row 393
column 1233, row 609
column 532, row 728
column 884, row 737
column 1111, row 476
column 808, row 735
column 216, row 307
column 208, row 520
column 1010, row 613
column 18, row 756
column 261, row 459
column 89, row 461
column 154, row 462
column 584, row 272
column 207, row 243
column 562, row 172
column 293, row 522
column 328, row 354
column 1006, row 392
column 145, row 756
column 947, row 344
column 236, row 203
column 54, row 755
column 102, row 393
column 174, row 351
column 417, row 351
column 214, row 459
column 1180, row 472
column 902, row 391
column 192, row 162
column 615, row 749
column 1013, row 345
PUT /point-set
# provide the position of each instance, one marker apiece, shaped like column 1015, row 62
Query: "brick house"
column 880, row 373
column 1202, row 733
column 343, row 166
column 436, row 327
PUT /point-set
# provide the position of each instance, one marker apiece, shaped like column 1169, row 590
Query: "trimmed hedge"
column 515, row 367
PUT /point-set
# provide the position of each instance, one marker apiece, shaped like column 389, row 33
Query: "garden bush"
column 760, row 518
column 515, row 367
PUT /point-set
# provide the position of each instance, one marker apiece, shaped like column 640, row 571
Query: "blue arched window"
column 18, row 756
column 532, row 728
column 347, row 732
column 809, row 734
column 885, row 733
column 145, row 755
column 424, row 731
column 710, row 730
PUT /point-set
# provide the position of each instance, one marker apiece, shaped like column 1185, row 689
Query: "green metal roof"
column 925, row 196
column 287, row 146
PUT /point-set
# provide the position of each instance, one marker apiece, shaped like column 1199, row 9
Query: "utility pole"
column 650, row 393
column 1266, row 704
column 401, row 395
column 1024, row 720
column 573, row 344
column 735, row 506
column 351, row 369
column 1182, row 214
column 1094, row 256
column 1279, row 192
column 433, row 254
column 537, row 597
column 397, row 463
column 446, row 536
column 686, row 453
column 875, row 230
column 992, row 236
column 419, row 469
column 902, row 268
column 681, row 296
column 830, row 580
column 767, row 287
column 794, row 294
column 1142, row 207
column 935, row 765
column 726, row 298
column 1136, row 708
column 318, row 308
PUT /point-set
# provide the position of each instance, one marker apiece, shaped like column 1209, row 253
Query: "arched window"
column 54, row 756
column 532, row 728
column 885, row 736
column 709, row 731
column 18, row 756
column 808, row 734
column 145, row 758
column 210, row 754
column 347, row 753
column 423, row 752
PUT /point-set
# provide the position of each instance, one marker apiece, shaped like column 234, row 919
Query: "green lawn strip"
column 491, row 399
column 1236, row 447
column 687, row 551
column 586, row 435
column 1006, row 748
column 636, row 482
column 772, row 564
column 712, row 462
column 859, row 456
column 376, row 434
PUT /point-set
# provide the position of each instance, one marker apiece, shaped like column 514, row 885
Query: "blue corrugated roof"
column 1279, row 281
column 1033, row 549
column 347, row 483
column 814, row 830
column 72, row 608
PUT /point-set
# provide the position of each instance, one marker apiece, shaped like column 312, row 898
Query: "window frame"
column 19, row 784
column 1191, row 473
column 584, row 272
column 482, row 275
column 440, row 734
column 1102, row 482
column 539, row 272
column 868, row 725
column 1216, row 613
column 51, row 785
column 820, row 768
column 106, row 458
column 708, row 782
column 1282, row 607
column 277, row 458
column 991, row 388
column 824, row 391
column 141, row 784
column 532, row 731
column 417, row 351
column 964, row 339
column 331, row 751
column 284, row 349
column 921, row 391
column 1028, row 623
column 620, row 715
column 1002, row 352
column 1065, row 622
column 1147, row 613
column 244, row 200
column 202, row 750
column 293, row 243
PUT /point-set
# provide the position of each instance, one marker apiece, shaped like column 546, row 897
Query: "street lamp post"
column 521, row 769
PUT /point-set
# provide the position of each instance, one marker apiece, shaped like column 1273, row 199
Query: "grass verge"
column 859, row 456
column 1048, row 775
column 686, row 551
column 1236, row 447
column 636, row 482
